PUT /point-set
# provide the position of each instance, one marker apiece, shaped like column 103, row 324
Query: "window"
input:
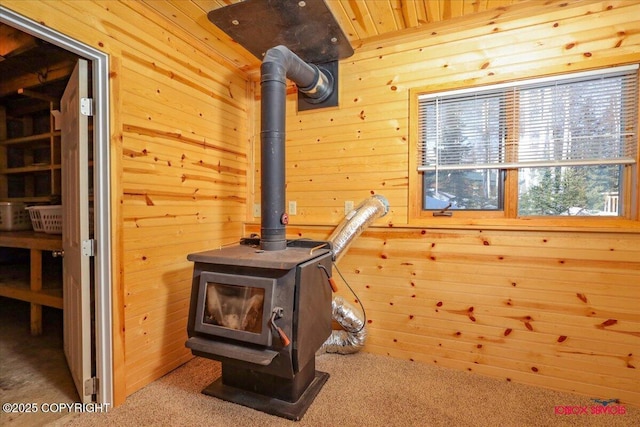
column 561, row 146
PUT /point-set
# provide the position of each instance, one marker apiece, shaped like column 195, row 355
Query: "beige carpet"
column 363, row 390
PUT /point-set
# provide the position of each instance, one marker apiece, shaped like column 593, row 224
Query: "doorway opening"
column 45, row 190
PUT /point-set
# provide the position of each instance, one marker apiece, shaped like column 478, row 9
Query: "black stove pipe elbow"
column 279, row 64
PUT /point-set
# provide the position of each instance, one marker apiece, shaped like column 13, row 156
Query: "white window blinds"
column 575, row 120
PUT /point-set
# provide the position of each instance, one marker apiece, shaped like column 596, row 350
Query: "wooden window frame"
column 508, row 218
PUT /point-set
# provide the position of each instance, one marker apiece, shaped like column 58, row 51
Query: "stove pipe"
column 279, row 64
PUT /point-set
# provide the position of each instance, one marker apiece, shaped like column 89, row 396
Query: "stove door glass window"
column 234, row 307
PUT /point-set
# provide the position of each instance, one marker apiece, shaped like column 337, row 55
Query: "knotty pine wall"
column 549, row 306
column 180, row 129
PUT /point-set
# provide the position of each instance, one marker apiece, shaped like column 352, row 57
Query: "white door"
column 75, row 230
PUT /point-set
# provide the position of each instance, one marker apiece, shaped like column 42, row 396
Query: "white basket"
column 36, row 221
column 46, row 218
column 13, row 217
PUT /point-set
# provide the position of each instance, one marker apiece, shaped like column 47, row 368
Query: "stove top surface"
column 297, row 252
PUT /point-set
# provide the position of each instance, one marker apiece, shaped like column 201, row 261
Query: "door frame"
column 102, row 191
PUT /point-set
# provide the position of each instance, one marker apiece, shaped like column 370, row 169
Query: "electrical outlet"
column 256, row 210
column 348, row 206
column 293, row 208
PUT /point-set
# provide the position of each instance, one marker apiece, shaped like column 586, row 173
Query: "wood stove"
column 263, row 307
column 263, row 314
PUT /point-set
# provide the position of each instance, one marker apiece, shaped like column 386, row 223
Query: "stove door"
column 235, row 306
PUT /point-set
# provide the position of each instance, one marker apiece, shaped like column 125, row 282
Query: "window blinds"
column 575, row 120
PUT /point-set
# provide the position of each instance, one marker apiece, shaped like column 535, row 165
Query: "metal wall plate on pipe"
column 305, row 103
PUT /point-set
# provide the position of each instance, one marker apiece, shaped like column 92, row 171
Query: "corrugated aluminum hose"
column 352, row 338
column 356, row 222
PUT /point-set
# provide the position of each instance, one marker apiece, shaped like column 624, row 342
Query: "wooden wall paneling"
column 217, row 231
column 184, row 187
column 188, row 183
column 379, row 80
column 188, row 161
column 223, row 86
column 203, row 103
column 516, row 357
column 150, row 324
column 432, row 296
column 312, row 215
column 152, row 340
column 510, row 278
column 140, row 238
column 167, row 349
column 349, row 118
column 548, row 308
column 159, row 263
column 171, row 287
column 528, row 374
column 158, row 194
column 379, row 138
column 362, row 179
column 475, row 302
column 191, row 178
column 152, row 321
column 597, row 310
column 530, row 378
column 434, row 329
column 478, row 311
column 155, row 368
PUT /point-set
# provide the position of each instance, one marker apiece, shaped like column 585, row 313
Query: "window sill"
column 583, row 224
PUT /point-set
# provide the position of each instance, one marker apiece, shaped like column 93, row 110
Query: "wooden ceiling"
column 32, row 68
column 361, row 20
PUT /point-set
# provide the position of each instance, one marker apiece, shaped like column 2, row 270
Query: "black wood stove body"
column 263, row 307
column 263, row 314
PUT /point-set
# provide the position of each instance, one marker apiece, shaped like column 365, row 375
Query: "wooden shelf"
column 15, row 284
column 28, row 199
column 30, row 169
column 31, row 240
column 26, row 282
column 31, row 138
column 30, row 154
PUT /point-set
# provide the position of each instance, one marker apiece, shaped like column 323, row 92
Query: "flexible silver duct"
column 356, row 222
column 351, row 339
